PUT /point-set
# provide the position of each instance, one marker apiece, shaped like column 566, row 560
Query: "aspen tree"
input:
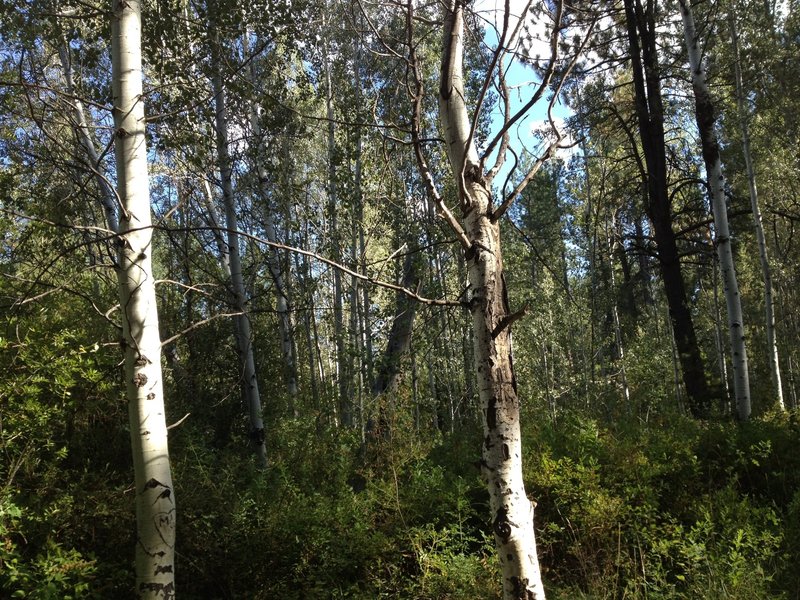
column 512, row 510
column 285, row 325
column 704, row 113
column 155, row 498
column 244, row 337
column 763, row 255
column 345, row 407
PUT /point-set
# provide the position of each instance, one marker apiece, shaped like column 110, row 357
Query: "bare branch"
column 537, row 95
column 559, row 135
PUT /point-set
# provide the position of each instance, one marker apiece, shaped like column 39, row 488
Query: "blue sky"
column 521, row 79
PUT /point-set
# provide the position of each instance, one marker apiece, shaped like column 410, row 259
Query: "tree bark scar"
column 491, row 413
column 504, row 291
column 165, row 590
column 470, row 252
column 520, row 589
column 501, row 525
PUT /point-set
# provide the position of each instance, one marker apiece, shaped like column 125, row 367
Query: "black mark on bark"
column 491, row 413
column 501, row 525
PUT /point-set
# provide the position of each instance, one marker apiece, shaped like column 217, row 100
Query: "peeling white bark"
column 155, row 499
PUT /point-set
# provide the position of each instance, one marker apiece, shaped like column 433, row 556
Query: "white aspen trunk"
column 309, row 325
column 617, row 327
column 155, row 499
column 285, row 325
column 242, row 321
column 342, row 375
column 704, row 110
column 722, row 364
column 107, row 196
column 366, row 329
column 502, row 452
column 354, row 338
column 758, row 224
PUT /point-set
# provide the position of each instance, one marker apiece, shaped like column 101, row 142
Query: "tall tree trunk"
column 704, row 113
column 244, row 340
column 342, row 375
column 155, row 498
column 758, row 224
column 366, row 323
column 397, row 346
column 354, row 345
column 722, row 364
column 366, row 329
column 285, row 326
column 649, row 107
column 491, row 316
column 620, row 349
column 315, row 371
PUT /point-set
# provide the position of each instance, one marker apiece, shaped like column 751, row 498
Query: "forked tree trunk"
column 243, row 332
column 155, row 499
column 704, row 113
column 769, row 307
column 512, row 511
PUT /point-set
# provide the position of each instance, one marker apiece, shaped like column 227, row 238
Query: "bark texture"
column 155, row 498
column 641, row 32
column 512, row 511
column 704, row 113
